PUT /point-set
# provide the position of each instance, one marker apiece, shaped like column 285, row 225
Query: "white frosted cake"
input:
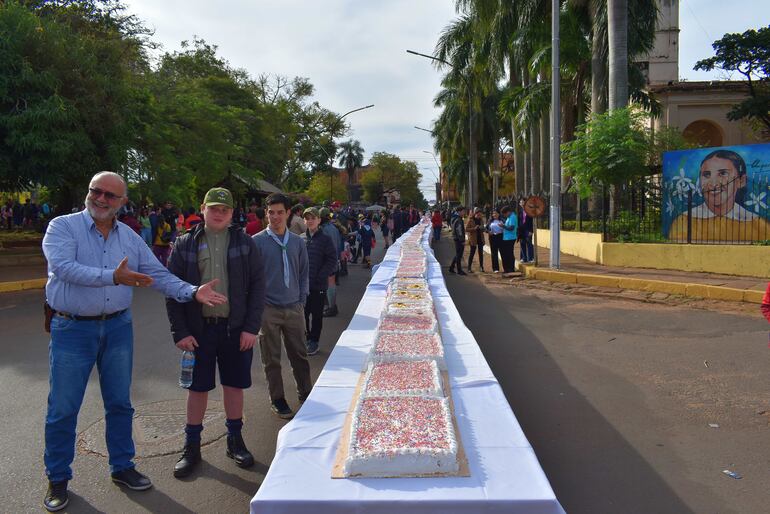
column 401, row 436
column 410, row 295
column 403, row 378
column 392, row 346
column 407, row 323
column 407, row 307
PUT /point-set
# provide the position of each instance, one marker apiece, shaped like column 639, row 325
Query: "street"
column 615, row 396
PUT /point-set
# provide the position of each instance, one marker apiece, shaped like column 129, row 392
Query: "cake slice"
column 403, row 378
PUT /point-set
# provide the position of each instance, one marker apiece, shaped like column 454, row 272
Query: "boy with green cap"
column 220, row 335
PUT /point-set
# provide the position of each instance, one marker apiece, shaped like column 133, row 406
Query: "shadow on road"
column 591, row 466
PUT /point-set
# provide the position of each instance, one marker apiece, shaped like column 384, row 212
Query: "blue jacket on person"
column 511, row 227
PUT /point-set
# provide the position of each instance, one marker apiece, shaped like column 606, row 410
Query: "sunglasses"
column 96, row 193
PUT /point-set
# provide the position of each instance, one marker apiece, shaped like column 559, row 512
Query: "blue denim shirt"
column 81, row 264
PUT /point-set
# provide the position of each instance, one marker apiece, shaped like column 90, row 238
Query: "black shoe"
column 282, row 409
column 236, row 450
column 331, row 312
column 191, row 457
column 132, row 479
column 312, row 347
column 452, row 271
column 461, row 272
column 56, row 498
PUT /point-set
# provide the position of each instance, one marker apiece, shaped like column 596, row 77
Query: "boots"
column 236, row 450
column 191, row 457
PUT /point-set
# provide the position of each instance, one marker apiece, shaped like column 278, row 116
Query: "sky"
column 354, row 53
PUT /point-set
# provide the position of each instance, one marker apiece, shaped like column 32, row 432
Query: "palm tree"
column 617, row 30
column 351, row 156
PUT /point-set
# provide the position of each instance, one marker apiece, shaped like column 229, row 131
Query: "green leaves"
column 749, row 55
column 386, row 174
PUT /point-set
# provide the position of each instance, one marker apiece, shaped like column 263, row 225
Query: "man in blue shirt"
column 94, row 261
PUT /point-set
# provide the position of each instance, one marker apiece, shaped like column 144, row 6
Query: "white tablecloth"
column 505, row 476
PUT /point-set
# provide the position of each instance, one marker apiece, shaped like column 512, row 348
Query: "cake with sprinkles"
column 407, row 323
column 392, row 346
column 409, row 307
column 403, row 378
column 406, row 295
column 401, row 436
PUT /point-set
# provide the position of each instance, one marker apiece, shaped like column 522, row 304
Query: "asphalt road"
column 615, row 396
column 218, row 486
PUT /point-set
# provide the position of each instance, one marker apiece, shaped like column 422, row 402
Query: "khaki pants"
column 287, row 323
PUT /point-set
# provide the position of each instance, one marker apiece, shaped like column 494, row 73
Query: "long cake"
column 401, row 435
column 407, row 323
column 392, row 346
column 403, row 378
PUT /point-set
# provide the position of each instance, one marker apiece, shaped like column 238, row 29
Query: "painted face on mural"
column 719, row 182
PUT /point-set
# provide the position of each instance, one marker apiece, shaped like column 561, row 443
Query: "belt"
column 100, row 317
column 215, row 321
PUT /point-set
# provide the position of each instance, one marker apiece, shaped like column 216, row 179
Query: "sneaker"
column 462, row 273
column 282, row 409
column 312, row 347
column 56, row 498
column 451, row 271
column 132, row 479
column 496, row 271
column 331, row 312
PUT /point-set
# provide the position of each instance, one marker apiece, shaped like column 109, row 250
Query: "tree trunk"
column 598, row 64
column 545, row 152
column 529, row 160
column 534, row 136
column 518, row 158
column 617, row 29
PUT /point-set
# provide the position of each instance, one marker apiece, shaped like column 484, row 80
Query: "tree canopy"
column 386, row 174
column 749, row 55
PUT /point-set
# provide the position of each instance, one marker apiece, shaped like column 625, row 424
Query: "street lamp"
column 471, row 151
column 331, row 157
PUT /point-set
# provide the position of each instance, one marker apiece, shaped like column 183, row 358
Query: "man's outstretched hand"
column 125, row 276
column 207, row 296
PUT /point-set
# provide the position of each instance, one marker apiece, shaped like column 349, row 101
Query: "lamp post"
column 332, row 128
column 472, row 173
column 555, row 139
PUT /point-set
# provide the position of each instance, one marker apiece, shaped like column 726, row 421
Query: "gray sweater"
column 276, row 292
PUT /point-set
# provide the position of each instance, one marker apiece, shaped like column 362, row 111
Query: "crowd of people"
column 501, row 228
column 15, row 215
column 265, row 279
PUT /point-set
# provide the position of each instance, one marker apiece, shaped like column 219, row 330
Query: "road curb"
column 640, row 284
column 22, row 285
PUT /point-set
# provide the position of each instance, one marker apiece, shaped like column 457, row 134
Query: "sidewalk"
column 22, row 276
column 691, row 284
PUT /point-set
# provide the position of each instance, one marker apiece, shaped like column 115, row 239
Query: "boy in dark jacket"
column 220, row 335
column 322, row 261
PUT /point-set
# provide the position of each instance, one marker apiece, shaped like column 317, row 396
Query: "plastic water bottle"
column 186, row 369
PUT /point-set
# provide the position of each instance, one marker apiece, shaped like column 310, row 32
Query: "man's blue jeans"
column 437, row 233
column 74, row 349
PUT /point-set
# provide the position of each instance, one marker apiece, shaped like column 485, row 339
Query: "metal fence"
column 680, row 211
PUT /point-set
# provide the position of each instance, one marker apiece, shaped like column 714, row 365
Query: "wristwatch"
column 195, row 291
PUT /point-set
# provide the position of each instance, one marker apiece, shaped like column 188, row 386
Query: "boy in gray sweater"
column 285, row 261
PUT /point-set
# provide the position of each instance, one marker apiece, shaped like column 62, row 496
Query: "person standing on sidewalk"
column 510, row 231
column 286, row 270
column 368, row 241
column 765, row 307
column 495, row 230
column 322, row 260
column 91, row 262
column 220, row 335
column 458, row 236
column 475, row 230
column 526, row 250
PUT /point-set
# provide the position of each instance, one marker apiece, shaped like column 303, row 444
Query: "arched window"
column 704, row 133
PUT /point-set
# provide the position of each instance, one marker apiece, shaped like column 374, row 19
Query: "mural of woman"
column 720, row 217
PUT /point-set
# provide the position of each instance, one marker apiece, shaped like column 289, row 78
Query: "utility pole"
column 555, row 139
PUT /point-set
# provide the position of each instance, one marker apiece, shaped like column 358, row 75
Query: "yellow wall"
column 580, row 244
column 743, row 260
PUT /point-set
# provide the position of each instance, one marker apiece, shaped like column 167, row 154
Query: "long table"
column 505, row 475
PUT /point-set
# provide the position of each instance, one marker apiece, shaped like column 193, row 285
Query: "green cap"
column 324, row 213
column 219, row 196
column 312, row 211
